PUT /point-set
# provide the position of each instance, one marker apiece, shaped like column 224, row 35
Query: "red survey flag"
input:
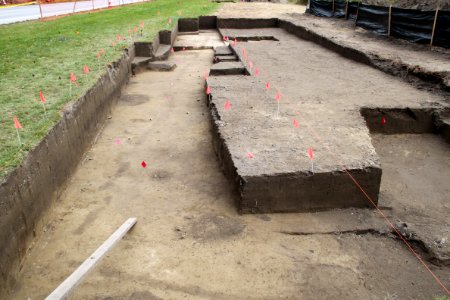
column 227, row 105
column 250, row 155
column 278, row 96
column 143, row 164
column 86, row 69
column 267, row 85
column 257, row 72
column 310, row 153
column 73, row 79
column 208, row 90
column 383, row 120
column 295, row 123
column 41, row 95
column 17, row 123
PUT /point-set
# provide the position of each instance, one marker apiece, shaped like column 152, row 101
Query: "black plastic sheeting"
column 321, row 8
column 339, row 9
column 408, row 24
column 352, row 10
column 412, row 25
column 326, row 8
column 373, row 18
column 442, row 30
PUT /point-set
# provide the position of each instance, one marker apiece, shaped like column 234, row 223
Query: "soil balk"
column 404, row 121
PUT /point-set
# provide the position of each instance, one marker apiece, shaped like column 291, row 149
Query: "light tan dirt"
column 189, row 241
column 344, row 32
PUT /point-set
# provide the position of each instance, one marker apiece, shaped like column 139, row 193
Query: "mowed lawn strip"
column 40, row 55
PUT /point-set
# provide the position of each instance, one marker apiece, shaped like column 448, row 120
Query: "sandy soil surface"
column 189, row 241
column 412, row 4
column 258, row 10
column 343, row 32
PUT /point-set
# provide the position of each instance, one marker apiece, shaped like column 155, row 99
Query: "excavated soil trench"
column 191, row 242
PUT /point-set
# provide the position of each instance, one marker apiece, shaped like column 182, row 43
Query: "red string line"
column 386, row 219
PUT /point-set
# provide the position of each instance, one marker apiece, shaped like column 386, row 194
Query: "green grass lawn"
column 40, row 55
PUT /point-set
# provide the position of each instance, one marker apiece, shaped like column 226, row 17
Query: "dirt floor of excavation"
column 189, row 241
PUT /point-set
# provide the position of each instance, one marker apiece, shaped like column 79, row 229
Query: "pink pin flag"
column 172, row 50
column 103, row 51
column 267, row 85
column 234, row 43
column 278, row 96
column 17, row 124
column 118, row 142
column 142, row 24
column 256, row 71
column 73, row 79
column 98, row 55
column 243, row 51
column 250, row 64
column 184, row 48
column 118, row 37
column 41, row 96
column 383, row 120
column 135, row 29
column 227, row 105
column 311, row 157
column 86, row 69
column 225, row 38
column 250, row 155
column 295, row 123
column 208, row 90
column 144, row 164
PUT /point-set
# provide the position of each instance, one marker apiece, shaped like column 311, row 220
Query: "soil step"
column 162, row 53
column 228, row 68
column 161, row 66
column 139, row 63
column 223, row 50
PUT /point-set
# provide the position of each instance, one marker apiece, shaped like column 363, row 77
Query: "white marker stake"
column 18, row 137
column 278, row 109
column 65, row 288
column 45, row 111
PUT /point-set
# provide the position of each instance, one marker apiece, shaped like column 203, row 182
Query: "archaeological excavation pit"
column 300, row 97
column 322, row 98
